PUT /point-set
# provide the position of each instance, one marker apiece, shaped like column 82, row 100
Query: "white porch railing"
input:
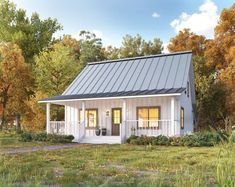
column 127, row 128
column 57, row 127
column 154, row 128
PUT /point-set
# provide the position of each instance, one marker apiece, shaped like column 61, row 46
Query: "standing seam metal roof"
column 146, row 74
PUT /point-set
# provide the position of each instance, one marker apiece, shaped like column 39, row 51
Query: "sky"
column 113, row 19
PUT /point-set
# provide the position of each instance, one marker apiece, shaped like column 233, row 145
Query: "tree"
column 137, row 46
column 32, row 34
column 210, row 94
column 34, row 119
column 186, row 40
column 90, row 48
column 220, row 56
column 16, row 80
column 55, row 69
column 111, row 52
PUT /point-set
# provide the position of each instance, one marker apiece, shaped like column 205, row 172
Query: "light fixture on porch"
column 107, row 113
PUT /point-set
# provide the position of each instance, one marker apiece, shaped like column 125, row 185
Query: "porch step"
column 101, row 140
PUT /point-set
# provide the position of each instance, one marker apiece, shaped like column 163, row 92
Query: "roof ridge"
column 139, row 57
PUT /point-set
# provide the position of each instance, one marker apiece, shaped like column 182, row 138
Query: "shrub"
column 232, row 137
column 193, row 140
column 161, row 140
column 175, row 141
column 42, row 137
column 132, row 137
column 26, row 137
column 54, row 138
column 145, row 140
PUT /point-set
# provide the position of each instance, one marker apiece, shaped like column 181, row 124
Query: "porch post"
column 123, row 124
column 172, row 116
column 48, row 117
column 84, row 117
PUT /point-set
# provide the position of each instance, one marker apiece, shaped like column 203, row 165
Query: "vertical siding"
column 72, row 110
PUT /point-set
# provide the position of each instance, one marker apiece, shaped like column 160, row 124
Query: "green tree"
column 32, row 34
column 55, row 69
column 90, row 48
column 137, row 46
column 16, row 81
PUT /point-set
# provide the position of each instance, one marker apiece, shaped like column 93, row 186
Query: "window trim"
column 97, row 118
column 148, row 107
column 182, row 119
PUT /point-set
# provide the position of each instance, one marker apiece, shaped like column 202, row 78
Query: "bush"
column 54, row 138
column 132, row 137
column 232, row 137
column 175, row 141
column 193, row 140
column 26, row 137
column 41, row 137
column 161, row 140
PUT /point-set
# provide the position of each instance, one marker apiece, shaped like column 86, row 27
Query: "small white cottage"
column 111, row 100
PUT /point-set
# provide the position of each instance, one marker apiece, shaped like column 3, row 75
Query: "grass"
column 9, row 140
column 121, row 165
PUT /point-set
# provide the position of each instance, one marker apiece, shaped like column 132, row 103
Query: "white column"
column 84, row 117
column 123, row 124
column 48, row 117
column 172, row 116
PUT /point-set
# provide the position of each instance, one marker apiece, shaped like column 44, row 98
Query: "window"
column 91, row 117
column 116, row 116
column 182, row 118
column 187, row 89
column 148, row 117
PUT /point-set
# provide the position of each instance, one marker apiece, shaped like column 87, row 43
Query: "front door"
column 116, row 120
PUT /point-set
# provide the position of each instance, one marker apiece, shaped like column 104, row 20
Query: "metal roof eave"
column 105, row 98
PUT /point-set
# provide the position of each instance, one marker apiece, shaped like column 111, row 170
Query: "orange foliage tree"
column 15, row 81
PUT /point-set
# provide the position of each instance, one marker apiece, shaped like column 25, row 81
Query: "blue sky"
column 112, row 19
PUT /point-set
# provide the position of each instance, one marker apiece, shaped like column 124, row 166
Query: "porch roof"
column 139, row 76
column 114, row 94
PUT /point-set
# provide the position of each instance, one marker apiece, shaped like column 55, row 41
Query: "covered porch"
column 117, row 119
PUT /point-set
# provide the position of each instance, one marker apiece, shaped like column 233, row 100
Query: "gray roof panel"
column 163, row 73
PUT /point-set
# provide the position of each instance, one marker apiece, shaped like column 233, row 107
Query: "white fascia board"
column 105, row 98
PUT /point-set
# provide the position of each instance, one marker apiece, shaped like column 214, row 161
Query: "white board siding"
column 186, row 103
column 72, row 111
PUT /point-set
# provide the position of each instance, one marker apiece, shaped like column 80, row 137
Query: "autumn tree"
column 15, row 81
column 220, row 56
column 210, row 94
column 137, row 46
column 32, row 34
column 186, row 40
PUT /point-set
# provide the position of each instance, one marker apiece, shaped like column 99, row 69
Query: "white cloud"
column 155, row 15
column 202, row 22
column 97, row 32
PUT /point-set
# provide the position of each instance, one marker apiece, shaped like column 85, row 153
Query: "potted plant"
column 97, row 131
column 103, row 131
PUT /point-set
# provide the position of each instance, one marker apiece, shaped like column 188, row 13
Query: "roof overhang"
column 72, row 98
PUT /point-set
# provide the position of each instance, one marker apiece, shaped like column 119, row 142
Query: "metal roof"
column 163, row 73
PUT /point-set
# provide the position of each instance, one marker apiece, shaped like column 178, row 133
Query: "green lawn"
column 121, row 165
column 9, row 140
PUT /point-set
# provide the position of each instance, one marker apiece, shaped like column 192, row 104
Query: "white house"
column 148, row 95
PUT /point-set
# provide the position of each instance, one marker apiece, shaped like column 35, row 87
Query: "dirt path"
column 39, row 148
